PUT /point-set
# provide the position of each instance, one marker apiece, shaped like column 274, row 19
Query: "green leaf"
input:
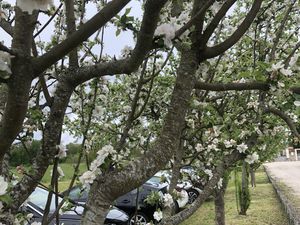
column 118, row 31
column 127, row 11
column 6, row 199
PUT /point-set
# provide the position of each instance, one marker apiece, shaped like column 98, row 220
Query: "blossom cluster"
column 252, row 158
column 89, row 176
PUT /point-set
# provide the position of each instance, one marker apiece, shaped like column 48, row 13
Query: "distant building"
column 291, row 154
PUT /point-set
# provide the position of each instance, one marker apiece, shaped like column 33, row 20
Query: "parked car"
column 193, row 192
column 133, row 202
column 37, row 202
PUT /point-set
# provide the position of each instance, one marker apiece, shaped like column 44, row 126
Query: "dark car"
column 132, row 203
column 37, row 202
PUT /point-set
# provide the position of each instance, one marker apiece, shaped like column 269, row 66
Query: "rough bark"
column 220, row 202
column 176, row 167
column 19, row 82
column 244, row 194
column 53, row 127
column 220, row 207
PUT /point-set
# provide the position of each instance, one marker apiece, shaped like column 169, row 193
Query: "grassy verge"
column 68, row 169
column 265, row 208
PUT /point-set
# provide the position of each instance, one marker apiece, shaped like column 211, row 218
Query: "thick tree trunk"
column 19, row 82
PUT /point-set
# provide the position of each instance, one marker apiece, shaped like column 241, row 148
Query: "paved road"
column 287, row 172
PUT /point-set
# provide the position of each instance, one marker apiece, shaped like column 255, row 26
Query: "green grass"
column 265, row 208
column 68, row 169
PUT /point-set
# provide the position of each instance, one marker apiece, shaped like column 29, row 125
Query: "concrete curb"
column 292, row 212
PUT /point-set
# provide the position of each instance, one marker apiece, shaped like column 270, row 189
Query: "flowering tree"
column 158, row 95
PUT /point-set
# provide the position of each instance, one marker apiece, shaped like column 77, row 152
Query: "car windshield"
column 39, row 198
column 154, row 179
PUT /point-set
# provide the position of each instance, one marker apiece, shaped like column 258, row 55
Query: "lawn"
column 68, row 169
column 265, row 208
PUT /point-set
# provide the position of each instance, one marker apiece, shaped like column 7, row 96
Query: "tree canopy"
column 203, row 83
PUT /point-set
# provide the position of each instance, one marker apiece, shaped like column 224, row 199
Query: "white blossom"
column 103, row 98
column 29, row 216
column 253, row 104
column 209, row 173
column 229, row 143
column 62, row 151
column 30, row 5
column 297, row 103
column 216, row 7
column 212, row 147
column 242, row 148
column 36, row 223
column 199, row 148
column 158, row 215
column 3, row 186
column 127, row 108
column 167, row 31
column 294, row 59
column 87, row 178
column 252, row 158
column 125, row 52
column 98, row 111
column 277, row 66
column 220, row 183
column 60, row 171
column 168, row 199
column 191, row 123
column 286, row 72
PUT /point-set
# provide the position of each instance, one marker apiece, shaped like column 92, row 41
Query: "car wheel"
column 193, row 194
column 139, row 219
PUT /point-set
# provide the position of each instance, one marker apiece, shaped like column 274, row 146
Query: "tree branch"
column 194, row 19
column 216, row 20
column 232, row 86
column 6, row 49
column 6, row 26
column 211, row 52
column 82, row 34
column 48, row 22
column 280, row 30
column 284, row 117
column 288, row 59
column 295, row 90
column 71, row 28
column 130, row 64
